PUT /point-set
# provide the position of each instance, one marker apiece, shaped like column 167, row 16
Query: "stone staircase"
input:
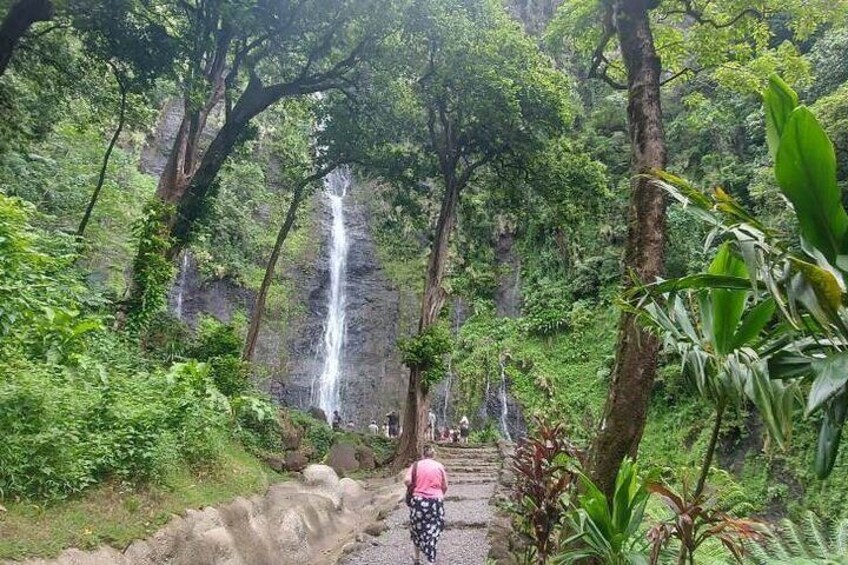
column 472, row 482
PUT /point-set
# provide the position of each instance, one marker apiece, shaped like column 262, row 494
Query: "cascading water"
column 326, row 388
column 504, row 405
column 448, row 384
column 178, row 303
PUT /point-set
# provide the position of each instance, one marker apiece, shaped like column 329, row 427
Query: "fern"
column 804, row 543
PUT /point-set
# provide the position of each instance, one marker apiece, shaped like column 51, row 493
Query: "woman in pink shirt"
column 427, row 482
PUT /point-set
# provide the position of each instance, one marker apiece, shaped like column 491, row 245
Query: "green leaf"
column 727, row 305
column 788, row 365
column 831, row 376
column 830, row 434
column 698, row 282
column 806, row 172
column 774, row 402
column 754, row 322
column 780, row 100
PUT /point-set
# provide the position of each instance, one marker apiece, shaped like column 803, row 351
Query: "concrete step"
column 474, row 470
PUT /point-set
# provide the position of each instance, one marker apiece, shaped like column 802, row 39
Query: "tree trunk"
column 190, row 205
column 417, row 397
column 708, row 458
column 636, row 351
column 122, row 114
column 259, row 306
column 21, row 16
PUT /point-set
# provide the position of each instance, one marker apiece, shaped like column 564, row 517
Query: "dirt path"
column 472, row 479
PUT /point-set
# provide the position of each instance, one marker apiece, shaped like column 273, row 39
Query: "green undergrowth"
column 116, row 513
column 565, row 377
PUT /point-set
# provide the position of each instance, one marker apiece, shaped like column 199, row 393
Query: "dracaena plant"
column 697, row 517
column 545, row 468
column 806, row 279
column 718, row 333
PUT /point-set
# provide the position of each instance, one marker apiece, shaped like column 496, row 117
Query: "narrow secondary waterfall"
column 326, row 391
column 181, row 284
column 504, row 405
column 448, row 384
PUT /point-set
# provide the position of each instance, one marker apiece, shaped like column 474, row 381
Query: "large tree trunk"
column 253, row 101
column 185, row 156
column 417, row 397
column 259, row 306
column 636, row 352
column 122, row 117
column 17, row 22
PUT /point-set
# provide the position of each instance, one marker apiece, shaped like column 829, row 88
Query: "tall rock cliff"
column 373, row 380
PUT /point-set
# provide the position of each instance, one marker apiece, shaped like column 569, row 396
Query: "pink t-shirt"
column 431, row 481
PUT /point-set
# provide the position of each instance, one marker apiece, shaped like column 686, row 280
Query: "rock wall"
column 374, row 379
column 534, row 14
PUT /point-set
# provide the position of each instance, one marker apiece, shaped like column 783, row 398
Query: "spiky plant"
column 802, row 543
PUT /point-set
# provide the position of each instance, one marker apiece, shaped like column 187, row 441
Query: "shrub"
column 426, row 351
column 488, row 434
column 545, row 471
column 68, row 428
column 257, row 424
column 546, row 307
column 317, row 434
column 220, row 345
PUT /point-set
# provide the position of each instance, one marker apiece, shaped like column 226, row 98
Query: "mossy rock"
column 290, row 432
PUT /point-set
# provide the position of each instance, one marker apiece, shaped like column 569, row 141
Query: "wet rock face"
column 491, row 411
column 534, row 14
column 373, row 380
column 508, row 291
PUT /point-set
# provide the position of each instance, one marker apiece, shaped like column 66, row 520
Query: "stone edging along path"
column 474, row 477
column 294, row 522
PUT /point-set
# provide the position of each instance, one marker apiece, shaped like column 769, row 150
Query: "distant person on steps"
column 373, row 428
column 394, row 422
column 431, row 426
column 428, row 481
column 337, row 421
column 464, row 429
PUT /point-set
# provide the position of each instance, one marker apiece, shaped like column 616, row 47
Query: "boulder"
column 321, row 476
column 296, row 461
column 342, row 458
column 325, row 482
column 365, row 458
column 353, row 495
column 317, row 413
column 276, row 462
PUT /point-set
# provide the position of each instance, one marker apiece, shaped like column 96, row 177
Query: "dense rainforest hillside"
column 612, row 232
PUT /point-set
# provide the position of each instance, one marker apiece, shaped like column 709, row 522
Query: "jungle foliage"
column 512, row 193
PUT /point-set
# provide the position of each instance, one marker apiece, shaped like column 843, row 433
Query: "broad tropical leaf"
column 780, row 101
column 805, row 168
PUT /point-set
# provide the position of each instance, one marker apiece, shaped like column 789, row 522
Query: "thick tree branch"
column 21, row 16
column 691, row 11
column 678, row 74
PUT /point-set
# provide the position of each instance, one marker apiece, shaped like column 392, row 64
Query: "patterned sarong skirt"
column 426, row 522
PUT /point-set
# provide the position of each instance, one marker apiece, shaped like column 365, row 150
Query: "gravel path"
column 472, row 477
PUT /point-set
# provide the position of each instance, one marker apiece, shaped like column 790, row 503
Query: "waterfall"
column 448, row 384
column 181, row 284
column 326, row 392
column 504, row 406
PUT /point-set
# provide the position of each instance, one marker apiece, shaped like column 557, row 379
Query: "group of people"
column 451, row 434
column 391, row 428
